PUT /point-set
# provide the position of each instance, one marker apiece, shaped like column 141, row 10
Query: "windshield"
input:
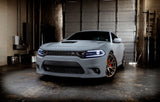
column 98, row 36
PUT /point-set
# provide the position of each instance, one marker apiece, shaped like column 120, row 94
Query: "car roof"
column 93, row 31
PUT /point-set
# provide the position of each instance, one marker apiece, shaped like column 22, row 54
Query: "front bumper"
column 91, row 67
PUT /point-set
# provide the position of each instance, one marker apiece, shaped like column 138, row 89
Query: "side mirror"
column 117, row 40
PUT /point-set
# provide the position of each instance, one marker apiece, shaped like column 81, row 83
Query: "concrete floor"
column 20, row 83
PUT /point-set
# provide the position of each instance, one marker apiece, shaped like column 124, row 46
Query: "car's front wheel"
column 111, row 66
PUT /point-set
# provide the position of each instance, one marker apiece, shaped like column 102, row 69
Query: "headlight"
column 94, row 53
column 41, row 52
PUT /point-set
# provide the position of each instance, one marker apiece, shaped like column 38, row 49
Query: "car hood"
column 74, row 45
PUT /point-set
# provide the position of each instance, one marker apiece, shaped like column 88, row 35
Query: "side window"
column 113, row 36
column 108, row 37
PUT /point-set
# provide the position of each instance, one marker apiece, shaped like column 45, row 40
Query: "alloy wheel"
column 111, row 66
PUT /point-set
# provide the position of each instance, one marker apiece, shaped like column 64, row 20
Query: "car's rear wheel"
column 111, row 66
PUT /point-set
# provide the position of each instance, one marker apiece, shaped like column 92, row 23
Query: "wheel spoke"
column 111, row 63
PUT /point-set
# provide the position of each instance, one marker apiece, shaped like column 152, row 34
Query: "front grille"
column 66, row 53
column 63, row 67
column 63, row 53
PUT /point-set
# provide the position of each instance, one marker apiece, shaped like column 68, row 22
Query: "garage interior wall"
column 9, row 17
column 8, row 28
column 117, row 16
column 3, row 34
column 23, row 18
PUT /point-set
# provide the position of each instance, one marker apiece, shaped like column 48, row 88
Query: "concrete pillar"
column 51, row 20
column 141, row 32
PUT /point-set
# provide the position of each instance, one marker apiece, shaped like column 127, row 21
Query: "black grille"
column 63, row 67
column 66, row 53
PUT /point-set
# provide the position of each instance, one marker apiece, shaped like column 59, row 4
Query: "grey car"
column 86, row 54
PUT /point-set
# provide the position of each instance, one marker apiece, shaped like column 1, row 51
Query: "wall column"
column 141, row 32
column 51, row 20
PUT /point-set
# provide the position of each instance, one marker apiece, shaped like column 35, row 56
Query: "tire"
column 111, row 66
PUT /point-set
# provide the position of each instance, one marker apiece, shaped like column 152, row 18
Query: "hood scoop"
column 69, row 41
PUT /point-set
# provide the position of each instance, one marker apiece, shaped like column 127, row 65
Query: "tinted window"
column 98, row 36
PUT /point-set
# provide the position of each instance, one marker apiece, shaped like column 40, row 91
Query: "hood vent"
column 69, row 41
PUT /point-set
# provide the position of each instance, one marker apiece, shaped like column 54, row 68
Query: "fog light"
column 96, row 70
